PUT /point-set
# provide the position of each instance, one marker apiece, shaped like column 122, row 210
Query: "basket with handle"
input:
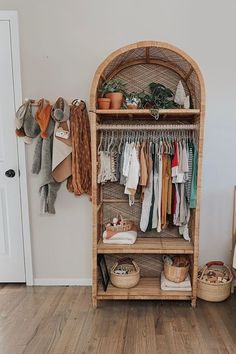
column 128, row 280
column 174, row 272
column 214, row 291
column 125, row 225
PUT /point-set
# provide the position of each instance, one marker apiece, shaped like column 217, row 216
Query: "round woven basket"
column 214, row 292
column 125, row 281
column 125, row 226
column 175, row 274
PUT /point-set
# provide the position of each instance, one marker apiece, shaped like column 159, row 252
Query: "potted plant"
column 145, row 100
column 103, row 102
column 132, row 100
column 159, row 97
column 115, row 90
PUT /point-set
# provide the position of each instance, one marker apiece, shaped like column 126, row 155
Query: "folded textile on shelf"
column 170, row 285
column 123, row 238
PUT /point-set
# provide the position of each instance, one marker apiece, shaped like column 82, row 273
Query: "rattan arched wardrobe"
column 137, row 65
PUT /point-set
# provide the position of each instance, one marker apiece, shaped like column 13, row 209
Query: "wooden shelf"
column 106, row 203
column 120, row 200
column 169, row 112
column 147, row 289
column 149, row 245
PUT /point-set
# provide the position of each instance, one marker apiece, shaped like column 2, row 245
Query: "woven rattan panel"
column 196, row 94
column 114, row 190
column 155, row 53
column 169, row 56
column 138, row 77
column 131, row 55
column 150, row 265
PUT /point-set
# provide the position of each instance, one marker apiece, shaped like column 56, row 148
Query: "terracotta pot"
column 116, row 99
column 104, row 103
column 132, row 106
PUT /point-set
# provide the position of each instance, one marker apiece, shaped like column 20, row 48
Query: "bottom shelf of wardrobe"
column 152, row 245
column 147, row 289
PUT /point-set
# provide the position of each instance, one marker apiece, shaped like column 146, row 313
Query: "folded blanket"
column 234, row 259
column 170, row 285
column 123, row 238
column 110, row 234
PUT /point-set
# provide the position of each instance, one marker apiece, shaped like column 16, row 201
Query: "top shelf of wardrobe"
column 178, row 113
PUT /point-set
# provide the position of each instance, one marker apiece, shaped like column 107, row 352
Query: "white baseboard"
column 63, row 282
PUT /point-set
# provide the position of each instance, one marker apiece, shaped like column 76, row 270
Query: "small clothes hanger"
column 111, row 141
column 121, row 141
column 101, row 141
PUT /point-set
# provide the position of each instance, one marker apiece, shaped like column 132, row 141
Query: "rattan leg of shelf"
column 95, row 303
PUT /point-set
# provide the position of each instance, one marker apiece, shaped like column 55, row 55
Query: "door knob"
column 10, row 173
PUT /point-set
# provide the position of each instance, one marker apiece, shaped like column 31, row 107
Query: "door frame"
column 12, row 18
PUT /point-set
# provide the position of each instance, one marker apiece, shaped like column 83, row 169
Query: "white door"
column 11, row 241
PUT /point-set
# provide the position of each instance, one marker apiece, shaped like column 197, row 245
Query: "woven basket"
column 126, row 225
column 175, row 274
column 214, row 292
column 125, row 281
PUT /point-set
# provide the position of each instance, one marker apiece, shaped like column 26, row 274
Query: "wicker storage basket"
column 125, row 281
column 175, row 274
column 214, row 292
column 125, row 226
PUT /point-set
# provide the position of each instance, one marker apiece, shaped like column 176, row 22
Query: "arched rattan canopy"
column 144, row 62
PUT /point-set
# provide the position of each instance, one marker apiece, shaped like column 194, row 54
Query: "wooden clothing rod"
column 147, row 127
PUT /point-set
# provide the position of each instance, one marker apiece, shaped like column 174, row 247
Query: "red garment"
column 175, row 160
column 174, row 199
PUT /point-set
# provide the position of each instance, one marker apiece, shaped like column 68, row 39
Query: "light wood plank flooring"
column 56, row 320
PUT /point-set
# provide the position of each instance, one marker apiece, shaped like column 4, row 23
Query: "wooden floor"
column 60, row 320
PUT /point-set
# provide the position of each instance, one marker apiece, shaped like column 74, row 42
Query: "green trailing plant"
column 159, row 97
column 112, row 86
column 145, row 99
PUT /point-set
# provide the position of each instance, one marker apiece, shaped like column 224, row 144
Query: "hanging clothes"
column 165, row 186
column 114, row 161
column 147, row 196
column 155, row 189
column 190, row 172
column 62, row 149
column 152, row 166
column 62, row 157
column 169, row 192
column 143, row 166
column 166, row 169
column 133, row 174
column 81, row 179
column 159, row 190
column 42, row 165
column 122, row 177
column 26, row 125
column 43, row 116
column 127, row 159
column 193, row 195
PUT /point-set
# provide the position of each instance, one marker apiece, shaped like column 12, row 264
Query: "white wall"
column 63, row 42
